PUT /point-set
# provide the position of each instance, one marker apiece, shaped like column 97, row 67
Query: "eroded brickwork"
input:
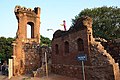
column 66, row 45
column 113, row 47
column 26, row 54
column 75, row 36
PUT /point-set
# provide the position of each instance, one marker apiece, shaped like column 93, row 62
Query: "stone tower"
column 26, row 55
column 28, row 16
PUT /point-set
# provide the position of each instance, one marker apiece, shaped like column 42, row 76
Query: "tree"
column 106, row 21
column 45, row 41
column 6, row 46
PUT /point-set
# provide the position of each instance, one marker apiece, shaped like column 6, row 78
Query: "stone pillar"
column 14, row 57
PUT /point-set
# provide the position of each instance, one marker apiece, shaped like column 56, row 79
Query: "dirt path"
column 51, row 77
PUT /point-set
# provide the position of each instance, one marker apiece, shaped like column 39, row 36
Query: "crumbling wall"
column 32, row 57
column 113, row 48
column 99, row 65
column 103, row 66
column 100, row 58
column 80, row 32
column 26, row 53
column 41, row 71
column 91, row 72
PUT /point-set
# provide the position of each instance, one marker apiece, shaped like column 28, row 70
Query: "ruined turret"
column 26, row 50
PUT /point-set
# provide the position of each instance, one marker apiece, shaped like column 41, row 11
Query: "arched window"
column 56, row 49
column 66, row 47
column 80, row 44
column 30, row 30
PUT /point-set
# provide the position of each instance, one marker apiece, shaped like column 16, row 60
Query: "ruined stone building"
column 26, row 54
column 66, row 45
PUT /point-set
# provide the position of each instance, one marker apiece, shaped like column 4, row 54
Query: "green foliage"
column 106, row 21
column 5, row 48
column 45, row 41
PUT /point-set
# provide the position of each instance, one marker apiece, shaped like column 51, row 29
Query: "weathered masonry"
column 26, row 54
column 66, row 45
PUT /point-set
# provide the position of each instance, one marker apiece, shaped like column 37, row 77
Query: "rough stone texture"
column 71, row 36
column 99, row 57
column 40, row 72
column 26, row 53
column 32, row 57
column 91, row 72
column 99, row 65
column 113, row 47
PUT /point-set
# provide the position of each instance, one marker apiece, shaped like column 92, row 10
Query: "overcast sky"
column 53, row 12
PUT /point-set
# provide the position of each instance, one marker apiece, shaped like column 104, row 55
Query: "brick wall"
column 32, row 57
column 69, row 58
column 103, row 66
column 25, row 50
column 91, row 72
column 99, row 65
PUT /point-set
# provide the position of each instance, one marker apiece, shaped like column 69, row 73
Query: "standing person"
column 4, row 68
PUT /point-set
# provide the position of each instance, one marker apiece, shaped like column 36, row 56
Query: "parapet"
column 80, row 24
column 84, row 21
column 27, row 10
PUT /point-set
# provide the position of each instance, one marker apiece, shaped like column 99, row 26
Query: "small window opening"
column 80, row 45
column 66, row 47
column 30, row 30
column 56, row 49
